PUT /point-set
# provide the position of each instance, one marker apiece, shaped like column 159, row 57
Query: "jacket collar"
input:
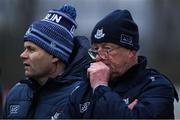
column 131, row 77
column 79, row 60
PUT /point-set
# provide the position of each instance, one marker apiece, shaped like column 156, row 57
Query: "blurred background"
column 158, row 22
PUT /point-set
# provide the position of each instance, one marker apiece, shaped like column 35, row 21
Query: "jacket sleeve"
column 69, row 110
column 18, row 102
column 155, row 101
column 76, row 99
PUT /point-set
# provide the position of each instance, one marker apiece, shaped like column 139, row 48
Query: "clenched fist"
column 99, row 74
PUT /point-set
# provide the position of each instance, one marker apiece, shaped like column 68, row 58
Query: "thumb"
column 132, row 105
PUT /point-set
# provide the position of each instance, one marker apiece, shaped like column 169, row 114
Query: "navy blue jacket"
column 27, row 99
column 155, row 94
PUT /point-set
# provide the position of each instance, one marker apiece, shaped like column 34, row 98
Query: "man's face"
column 37, row 62
column 118, row 59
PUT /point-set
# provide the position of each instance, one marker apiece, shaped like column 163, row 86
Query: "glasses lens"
column 92, row 54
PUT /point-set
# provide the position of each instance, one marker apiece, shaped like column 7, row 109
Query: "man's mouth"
column 26, row 64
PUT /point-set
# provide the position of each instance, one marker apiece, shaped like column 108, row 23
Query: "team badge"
column 99, row 34
column 126, row 100
column 14, row 109
column 126, row 39
column 29, row 30
column 84, row 107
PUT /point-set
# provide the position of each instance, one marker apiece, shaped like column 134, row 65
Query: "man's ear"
column 132, row 53
column 54, row 59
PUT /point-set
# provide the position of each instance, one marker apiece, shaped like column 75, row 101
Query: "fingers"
column 98, row 74
column 133, row 104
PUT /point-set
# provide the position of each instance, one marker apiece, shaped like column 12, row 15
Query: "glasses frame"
column 104, row 53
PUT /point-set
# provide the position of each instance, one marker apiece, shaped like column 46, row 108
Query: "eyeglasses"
column 104, row 53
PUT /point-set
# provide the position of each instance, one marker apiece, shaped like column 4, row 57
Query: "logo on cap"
column 29, row 30
column 72, row 29
column 99, row 34
column 53, row 44
column 126, row 39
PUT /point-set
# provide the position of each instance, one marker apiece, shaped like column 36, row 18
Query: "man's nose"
column 24, row 55
column 98, row 57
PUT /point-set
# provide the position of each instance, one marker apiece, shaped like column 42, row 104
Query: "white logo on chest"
column 14, row 109
column 84, row 107
column 126, row 100
column 55, row 117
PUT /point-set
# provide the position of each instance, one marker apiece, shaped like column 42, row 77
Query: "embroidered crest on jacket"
column 14, row 109
column 84, row 107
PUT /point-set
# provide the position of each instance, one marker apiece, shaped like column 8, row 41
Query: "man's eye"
column 31, row 49
column 95, row 48
column 107, row 48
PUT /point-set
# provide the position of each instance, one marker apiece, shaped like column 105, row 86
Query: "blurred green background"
column 158, row 21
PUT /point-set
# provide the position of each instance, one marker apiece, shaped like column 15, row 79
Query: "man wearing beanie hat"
column 120, row 85
column 54, row 61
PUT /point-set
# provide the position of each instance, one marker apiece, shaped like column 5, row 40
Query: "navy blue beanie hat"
column 117, row 27
column 54, row 33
